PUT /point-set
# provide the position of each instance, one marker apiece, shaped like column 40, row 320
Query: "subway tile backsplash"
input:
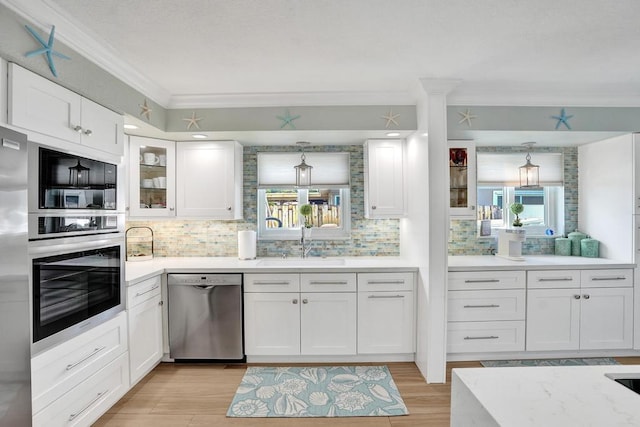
column 176, row 237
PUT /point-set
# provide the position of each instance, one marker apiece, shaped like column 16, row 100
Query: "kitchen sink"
column 630, row 381
column 301, row 262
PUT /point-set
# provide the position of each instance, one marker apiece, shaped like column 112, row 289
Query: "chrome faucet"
column 305, row 243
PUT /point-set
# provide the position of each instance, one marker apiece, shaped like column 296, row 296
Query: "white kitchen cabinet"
column 328, row 323
column 272, row 323
column 209, row 179
column 3, row 92
column 581, row 318
column 462, row 180
column 636, row 173
column 144, row 313
column 39, row 105
column 386, row 313
column 385, row 179
column 152, row 177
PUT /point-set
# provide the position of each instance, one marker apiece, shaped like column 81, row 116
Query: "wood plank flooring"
column 186, row 395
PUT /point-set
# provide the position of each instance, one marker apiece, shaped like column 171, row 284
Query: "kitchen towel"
column 246, row 244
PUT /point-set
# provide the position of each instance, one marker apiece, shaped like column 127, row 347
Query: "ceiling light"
column 393, row 133
column 303, row 170
column 529, row 173
column 199, row 136
column 130, row 127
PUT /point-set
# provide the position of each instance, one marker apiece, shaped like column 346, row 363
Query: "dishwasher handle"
column 204, row 287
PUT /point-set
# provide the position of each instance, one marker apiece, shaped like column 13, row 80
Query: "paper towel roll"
column 246, row 244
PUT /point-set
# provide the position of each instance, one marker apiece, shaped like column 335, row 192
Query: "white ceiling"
column 200, row 53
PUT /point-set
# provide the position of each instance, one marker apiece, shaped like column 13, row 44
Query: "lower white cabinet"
column 328, row 323
column 144, row 303
column 271, row 323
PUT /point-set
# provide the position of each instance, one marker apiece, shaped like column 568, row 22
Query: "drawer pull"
column 98, row 396
column 89, row 356
column 482, row 306
column 482, row 281
column 385, row 282
column 488, row 337
column 386, row 296
column 272, row 283
column 330, row 282
column 608, row 278
column 138, row 294
column 559, row 279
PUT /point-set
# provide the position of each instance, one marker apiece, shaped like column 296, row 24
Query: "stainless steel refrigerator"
column 15, row 320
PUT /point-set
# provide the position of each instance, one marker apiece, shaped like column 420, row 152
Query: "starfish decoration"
column 192, row 121
column 288, row 120
column 390, row 118
column 562, row 119
column 145, row 109
column 466, row 117
column 47, row 49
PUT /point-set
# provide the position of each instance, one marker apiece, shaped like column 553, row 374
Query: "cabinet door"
column 207, row 180
column 553, row 319
column 40, row 105
column 145, row 337
column 384, row 179
column 328, row 323
column 606, row 318
column 151, row 177
column 462, row 179
column 385, row 322
column 272, row 323
column 102, row 128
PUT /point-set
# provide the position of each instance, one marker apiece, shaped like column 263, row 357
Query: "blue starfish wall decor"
column 562, row 119
column 288, row 120
column 47, row 48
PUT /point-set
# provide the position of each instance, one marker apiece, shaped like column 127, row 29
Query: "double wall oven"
column 76, row 242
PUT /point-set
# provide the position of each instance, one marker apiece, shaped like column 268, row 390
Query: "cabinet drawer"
column 385, row 282
column 85, row 403
column 61, row 368
column 143, row 291
column 508, row 304
column 553, row 279
column 608, row 278
column 270, row 282
column 329, row 282
column 480, row 337
column 471, row 280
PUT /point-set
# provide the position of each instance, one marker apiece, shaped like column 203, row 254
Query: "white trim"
column 382, row 358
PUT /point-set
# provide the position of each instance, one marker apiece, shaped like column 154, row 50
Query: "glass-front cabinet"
column 462, row 179
column 152, row 177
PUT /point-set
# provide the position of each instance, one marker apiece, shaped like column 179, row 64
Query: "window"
column 498, row 188
column 279, row 200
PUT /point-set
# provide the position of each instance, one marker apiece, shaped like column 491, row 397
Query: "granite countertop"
column 139, row 270
column 550, row 395
column 531, row 262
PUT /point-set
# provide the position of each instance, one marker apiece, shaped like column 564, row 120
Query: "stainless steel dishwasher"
column 205, row 317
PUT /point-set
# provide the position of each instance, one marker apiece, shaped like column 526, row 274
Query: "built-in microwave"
column 73, row 194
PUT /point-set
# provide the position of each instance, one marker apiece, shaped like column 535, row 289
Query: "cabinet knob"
column 472, row 207
column 228, row 208
column 77, row 128
column 88, row 132
column 305, row 301
column 373, row 207
column 161, row 303
column 576, row 296
column 586, row 296
column 295, row 301
column 171, row 209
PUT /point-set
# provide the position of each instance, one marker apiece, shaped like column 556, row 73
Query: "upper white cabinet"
column 462, row 179
column 152, row 177
column 209, row 179
column 42, row 106
column 636, row 173
column 385, row 179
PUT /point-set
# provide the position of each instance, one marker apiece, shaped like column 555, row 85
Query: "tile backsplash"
column 177, row 237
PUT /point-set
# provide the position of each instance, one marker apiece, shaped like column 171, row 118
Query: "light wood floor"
column 184, row 395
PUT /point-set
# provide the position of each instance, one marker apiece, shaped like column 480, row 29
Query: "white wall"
column 605, row 195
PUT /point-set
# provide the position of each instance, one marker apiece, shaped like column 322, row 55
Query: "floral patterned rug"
column 323, row 391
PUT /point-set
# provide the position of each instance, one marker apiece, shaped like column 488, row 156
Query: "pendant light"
column 78, row 175
column 529, row 173
column 303, row 170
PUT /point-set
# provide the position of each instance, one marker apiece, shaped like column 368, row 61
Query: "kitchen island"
column 544, row 396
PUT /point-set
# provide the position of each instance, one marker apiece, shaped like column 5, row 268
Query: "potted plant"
column 305, row 210
column 516, row 209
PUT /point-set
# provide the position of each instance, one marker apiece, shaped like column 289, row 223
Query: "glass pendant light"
column 529, row 173
column 303, row 170
column 78, row 175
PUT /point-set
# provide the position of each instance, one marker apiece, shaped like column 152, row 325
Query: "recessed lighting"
column 130, row 127
column 393, row 133
column 199, row 136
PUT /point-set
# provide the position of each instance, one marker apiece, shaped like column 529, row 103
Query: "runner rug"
column 324, row 391
column 550, row 362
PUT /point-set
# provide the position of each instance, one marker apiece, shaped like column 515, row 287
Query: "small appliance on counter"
column 139, row 243
column 510, row 244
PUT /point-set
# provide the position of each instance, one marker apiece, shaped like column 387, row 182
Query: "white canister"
column 246, row 244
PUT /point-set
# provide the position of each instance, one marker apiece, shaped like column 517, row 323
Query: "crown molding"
column 43, row 14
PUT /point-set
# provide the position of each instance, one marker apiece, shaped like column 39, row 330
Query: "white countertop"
column 550, row 396
column 140, row 270
column 531, row 262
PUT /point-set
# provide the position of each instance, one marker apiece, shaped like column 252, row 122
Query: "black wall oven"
column 77, row 283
